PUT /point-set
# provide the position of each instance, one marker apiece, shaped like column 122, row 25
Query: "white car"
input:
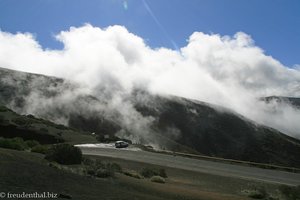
column 121, row 144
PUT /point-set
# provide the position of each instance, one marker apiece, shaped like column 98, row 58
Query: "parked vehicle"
column 121, row 144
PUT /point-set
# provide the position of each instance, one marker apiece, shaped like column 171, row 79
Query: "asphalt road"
column 211, row 167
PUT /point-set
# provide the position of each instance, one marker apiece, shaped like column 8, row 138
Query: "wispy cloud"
column 161, row 27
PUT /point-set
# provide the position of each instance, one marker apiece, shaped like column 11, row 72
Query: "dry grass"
column 38, row 176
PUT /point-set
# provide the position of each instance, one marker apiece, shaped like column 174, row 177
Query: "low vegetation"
column 32, row 143
column 133, row 174
column 64, row 154
column 155, row 175
column 99, row 169
column 104, row 173
column 284, row 192
column 258, row 193
column 289, row 192
column 17, row 143
column 149, row 172
column 157, row 179
column 40, row 149
column 13, row 143
column 113, row 167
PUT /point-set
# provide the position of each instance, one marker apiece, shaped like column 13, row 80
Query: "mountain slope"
column 32, row 128
column 167, row 122
column 217, row 132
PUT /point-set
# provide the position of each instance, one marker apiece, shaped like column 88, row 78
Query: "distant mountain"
column 175, row 123
column 279, row 99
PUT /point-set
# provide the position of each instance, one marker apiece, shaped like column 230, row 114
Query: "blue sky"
column 273, row 24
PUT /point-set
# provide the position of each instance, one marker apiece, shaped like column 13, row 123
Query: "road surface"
column 211, row 167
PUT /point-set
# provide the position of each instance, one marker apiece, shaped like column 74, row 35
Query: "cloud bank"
column 230, row 71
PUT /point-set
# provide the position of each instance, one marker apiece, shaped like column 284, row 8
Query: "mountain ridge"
column 167, row 122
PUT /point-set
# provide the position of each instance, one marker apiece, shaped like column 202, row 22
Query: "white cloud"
column 228, row 71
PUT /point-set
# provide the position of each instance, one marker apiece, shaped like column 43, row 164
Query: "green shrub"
column 13, row 143
column 290, row 193
column 258, row 193
column 88, row 161
column 114, row 167
column 96, row 167
column 100, row 169
column 104, row 173
column 157, row 179
column 133, row 174
column 39, row 149
column 98, row 164
column 163, row 173
column 149, row 172
column 91, row 171
column 31, row 143
column 64, row 154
